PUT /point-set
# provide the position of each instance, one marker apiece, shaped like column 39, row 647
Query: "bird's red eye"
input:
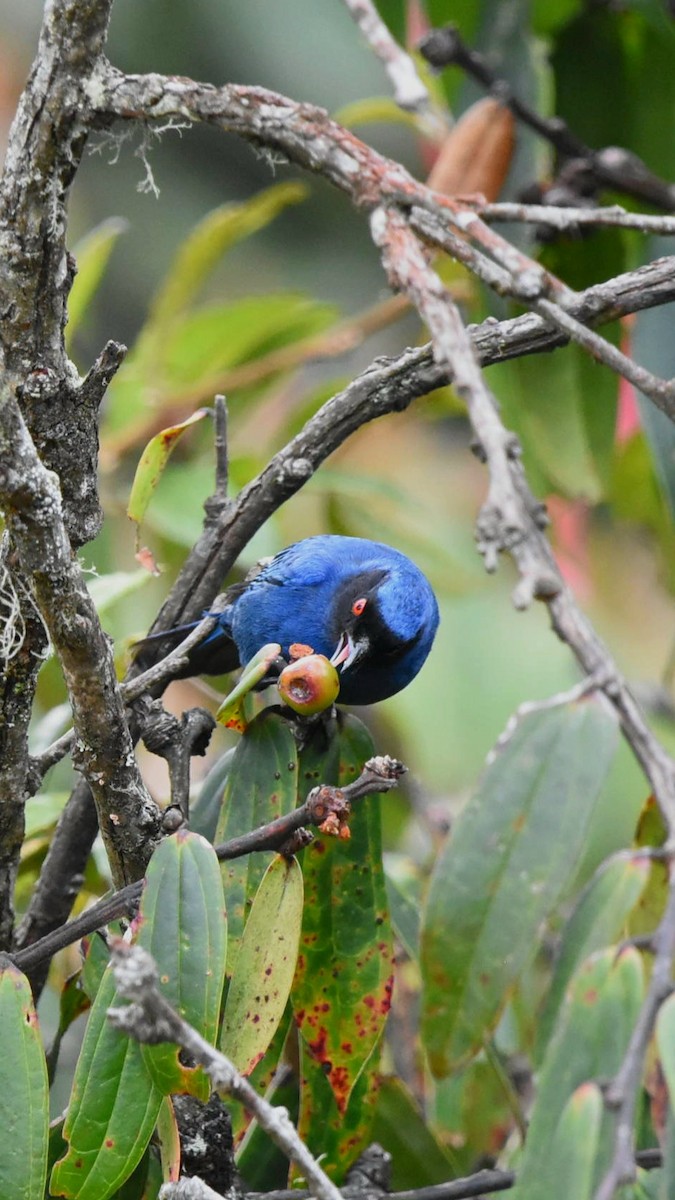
column 358, row 606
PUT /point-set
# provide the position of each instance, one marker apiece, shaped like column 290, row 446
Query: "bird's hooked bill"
column 347, row 652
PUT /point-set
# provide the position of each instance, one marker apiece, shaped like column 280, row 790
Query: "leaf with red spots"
column 24, row 1097
column 337, row 1136
column 261, row 785
column 589, row 1043
column 262, row 979
column 182, row 924
column 342, row 989
column 112, row 1111
column 512, row 852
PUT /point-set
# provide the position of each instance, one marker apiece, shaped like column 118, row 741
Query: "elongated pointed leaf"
column 512, row 852
column 342, row 989
column 589, row 1043
column 231, row 711
column 571, row 1167
column 112, row 1111
column 169, row 1141
column 261, row 786
column 209, row 240
column 152, row 463
column 182, row 923
column 597, row 919
column 261, row 983
column 24, row 1097
column 665, row 1039
column 205, row 812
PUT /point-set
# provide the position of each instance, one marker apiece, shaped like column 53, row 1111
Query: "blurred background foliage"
column 226, row 271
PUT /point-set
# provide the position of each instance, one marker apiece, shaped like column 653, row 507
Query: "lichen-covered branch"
column 31, row 501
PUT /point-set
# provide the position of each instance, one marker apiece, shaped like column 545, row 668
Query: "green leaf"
column 261, row 785
column 205, row 811
column 43, row 811
column 665, row 1041
column 260, row 1162
column 106, row 590
column 598, row 917
column 549, row 15
column 152, row 463
column 189, row 366
column 182, row 923
column 91, row 255
column 208, row 241
column 169, row 1141
column 24, row 1098
column 342, row 989
column 375, row 110
column 571, row 1166
column 509, row 858
column 261, row 982
column 112, row 1111
column 589, row 1043
column 565, row 418
column 231, row 711
column 73, row 1001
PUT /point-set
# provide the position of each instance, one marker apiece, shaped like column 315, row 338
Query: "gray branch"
column 150, row 1018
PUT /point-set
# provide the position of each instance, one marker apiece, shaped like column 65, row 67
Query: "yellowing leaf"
column 265, row 966
column 152, row 463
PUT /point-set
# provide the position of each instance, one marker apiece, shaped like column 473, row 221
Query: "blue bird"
column 362, row 604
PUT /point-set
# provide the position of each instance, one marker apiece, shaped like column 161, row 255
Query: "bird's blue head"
column 384, row 619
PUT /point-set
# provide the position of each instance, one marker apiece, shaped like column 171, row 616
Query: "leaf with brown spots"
column 342, row 989
column 262, row 979
column 338, row 1136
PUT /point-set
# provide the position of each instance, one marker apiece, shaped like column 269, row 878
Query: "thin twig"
column 154, row 677
column 409, row 91
column 221, row 448
column 612, row 166
column 507, row 283
column 567, row 220
column 323, row 804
